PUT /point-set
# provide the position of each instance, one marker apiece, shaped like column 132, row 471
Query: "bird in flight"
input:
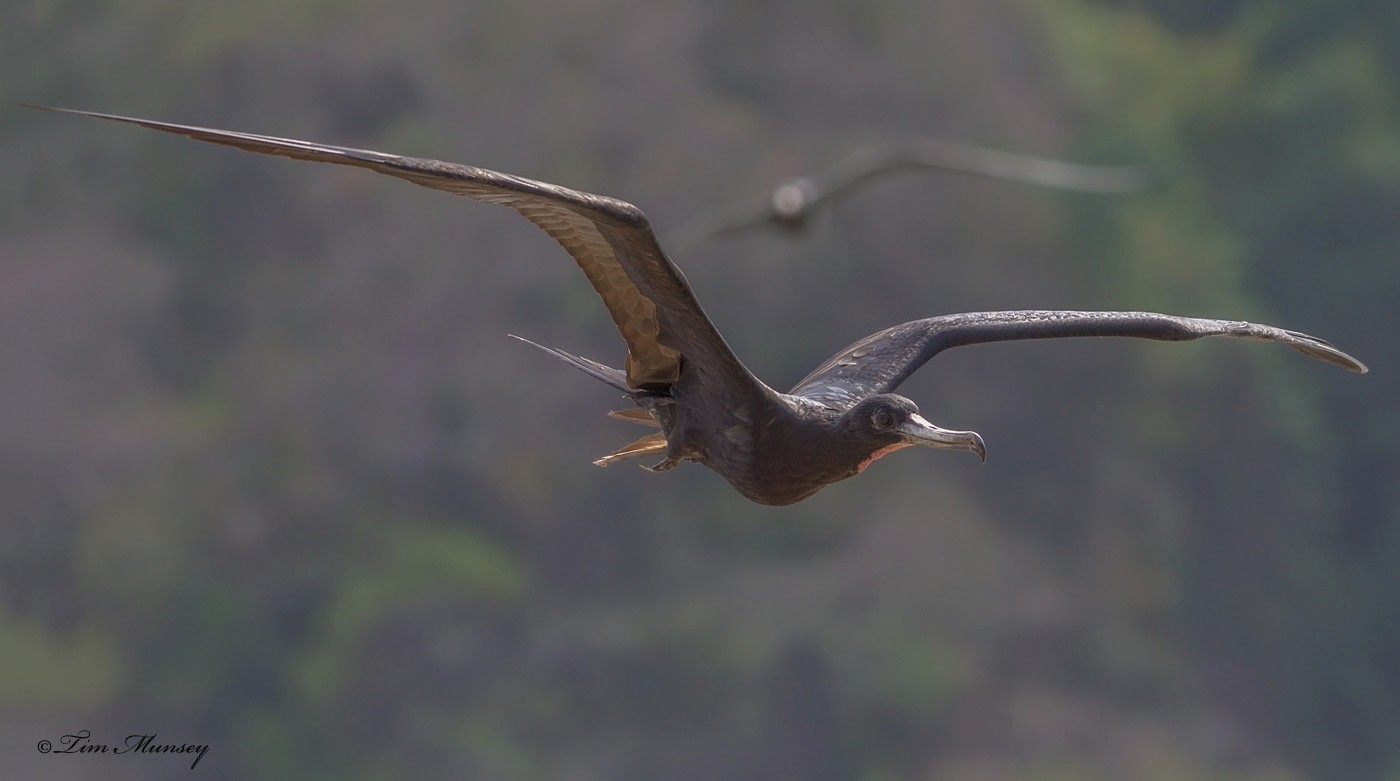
column 774, row 448
column 792, row 203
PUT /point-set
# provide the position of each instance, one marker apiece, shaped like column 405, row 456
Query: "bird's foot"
column 664, row 465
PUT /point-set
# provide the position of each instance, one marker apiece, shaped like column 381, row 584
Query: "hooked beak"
column 918, row 431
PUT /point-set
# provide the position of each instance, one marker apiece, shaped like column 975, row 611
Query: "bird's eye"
column 882, row 418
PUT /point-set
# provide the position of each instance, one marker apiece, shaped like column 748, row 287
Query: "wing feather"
column 611, row 240
column 880, row 362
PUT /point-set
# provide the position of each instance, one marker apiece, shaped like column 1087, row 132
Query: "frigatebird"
column 793, row 202
column 774, row 448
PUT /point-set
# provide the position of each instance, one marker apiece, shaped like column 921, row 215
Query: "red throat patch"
column 878, row 454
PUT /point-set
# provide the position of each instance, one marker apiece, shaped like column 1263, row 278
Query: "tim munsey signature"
column 81, row 743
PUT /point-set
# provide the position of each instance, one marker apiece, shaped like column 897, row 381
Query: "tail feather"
column 613, row 377
column 650, row 444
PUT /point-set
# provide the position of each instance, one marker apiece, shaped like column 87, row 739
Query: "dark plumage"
column 775, row 448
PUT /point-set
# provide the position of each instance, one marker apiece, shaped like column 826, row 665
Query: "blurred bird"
column 790, row 207
column 774, row 448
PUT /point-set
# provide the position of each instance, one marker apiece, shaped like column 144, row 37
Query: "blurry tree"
column 1286, row 185
column 273, row 477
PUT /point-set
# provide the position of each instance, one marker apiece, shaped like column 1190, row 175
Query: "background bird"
column 792, row 203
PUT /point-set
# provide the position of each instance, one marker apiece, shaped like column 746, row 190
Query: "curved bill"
column 918, row 431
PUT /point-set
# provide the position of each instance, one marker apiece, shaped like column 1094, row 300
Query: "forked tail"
column 651, row 444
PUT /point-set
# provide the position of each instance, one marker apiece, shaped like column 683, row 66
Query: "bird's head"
column 792, row 203
column 885, row 423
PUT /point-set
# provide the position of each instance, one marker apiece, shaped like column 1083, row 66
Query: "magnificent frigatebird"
column 775, row 448
column 793, row 202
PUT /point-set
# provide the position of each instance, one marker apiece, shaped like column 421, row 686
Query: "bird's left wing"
column 880, row 362
column 935, row 154
column 611, row 241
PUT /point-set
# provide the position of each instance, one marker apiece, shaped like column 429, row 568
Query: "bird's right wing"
column 880, row 362
column 611, row 241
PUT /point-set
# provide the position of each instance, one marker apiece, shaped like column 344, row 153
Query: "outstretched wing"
column 611, row 240
column 792, row 203
column 880, row 362
column 929, row 153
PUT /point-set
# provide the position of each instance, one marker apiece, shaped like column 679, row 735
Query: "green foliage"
column 74, row 672
column 420, row 565
column 1285, row 145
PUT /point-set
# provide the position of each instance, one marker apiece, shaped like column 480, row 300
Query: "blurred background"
column 273, row 478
